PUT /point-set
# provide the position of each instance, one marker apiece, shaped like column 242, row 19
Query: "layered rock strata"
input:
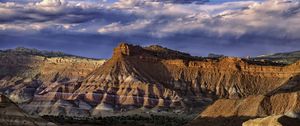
column 140, row 77
column 12, row 115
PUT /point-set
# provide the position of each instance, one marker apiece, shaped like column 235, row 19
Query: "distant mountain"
column 287, row 57
column 36, row 52
column 212, row 55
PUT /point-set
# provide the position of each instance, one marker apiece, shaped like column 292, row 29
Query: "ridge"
column 136, row 77
column 44, row 53
column 125, row 49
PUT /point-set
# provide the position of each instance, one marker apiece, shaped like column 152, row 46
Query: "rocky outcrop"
column 26, row 74
column 154, row 76
column 31, row 74
column 284, row 100
column 254, row 106
column 279, row 120
column 12, row 115
column 158, row 77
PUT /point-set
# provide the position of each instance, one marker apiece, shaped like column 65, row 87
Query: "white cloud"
column 169, row 19
column 23, row 27
column 271, row 18
column 48, row 3
column 124, row 29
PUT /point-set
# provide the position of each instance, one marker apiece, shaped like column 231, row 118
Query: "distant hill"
column 286, row 58
column 36, row 52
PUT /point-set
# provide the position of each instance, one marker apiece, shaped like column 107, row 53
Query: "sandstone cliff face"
column 151, row 77
column 255, row 106
column 283, row 100
column 225, row 112
column 24, row 76
column 158, row 77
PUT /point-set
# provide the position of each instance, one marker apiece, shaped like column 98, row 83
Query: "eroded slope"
column 153, row 77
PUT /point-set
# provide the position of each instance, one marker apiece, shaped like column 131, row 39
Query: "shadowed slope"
column 282, row 100
column 12, row 115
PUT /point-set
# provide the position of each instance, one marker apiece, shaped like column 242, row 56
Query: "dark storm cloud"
column 66, row 13
column 236, row 28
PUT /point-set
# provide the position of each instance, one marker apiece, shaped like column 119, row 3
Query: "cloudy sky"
column 92, row 28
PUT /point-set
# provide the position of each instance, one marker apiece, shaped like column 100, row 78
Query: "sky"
column 92, row 28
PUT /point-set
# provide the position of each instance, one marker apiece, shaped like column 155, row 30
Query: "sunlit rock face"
column 158, row 77
column 279, row 120
column 137, row 77
column 256, row 106
column 283, row 100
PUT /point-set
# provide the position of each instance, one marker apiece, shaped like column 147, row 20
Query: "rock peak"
column 167, row 53
column 122, row 48
column 125, row 49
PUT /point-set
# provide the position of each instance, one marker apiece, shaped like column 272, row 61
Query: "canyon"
column 151, row 80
